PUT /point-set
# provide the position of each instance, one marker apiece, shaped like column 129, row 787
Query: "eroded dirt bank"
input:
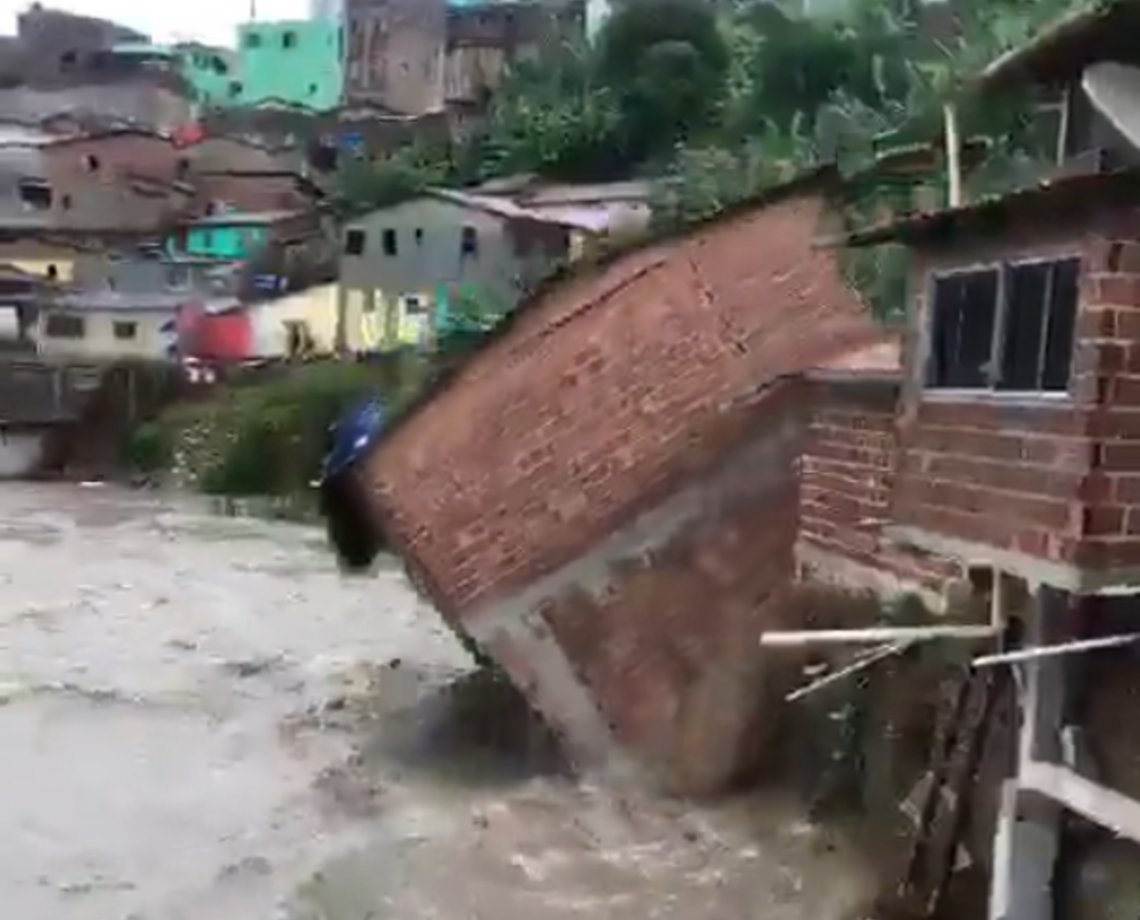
column 202, row 719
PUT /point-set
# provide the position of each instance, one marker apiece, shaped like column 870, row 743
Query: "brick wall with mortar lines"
column 660, row 623
column 1108, row 384
column 90, row 180
column 603, row 397
column 1052, row 478
column 847, row 474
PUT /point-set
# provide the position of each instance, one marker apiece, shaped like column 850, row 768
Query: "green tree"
column 667, row 62
column 366, row 184
column 554, row 118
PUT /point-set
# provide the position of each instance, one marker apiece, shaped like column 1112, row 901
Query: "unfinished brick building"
column 1020, row 421
column 847, row 477
column 606, row 496
column 395, row 54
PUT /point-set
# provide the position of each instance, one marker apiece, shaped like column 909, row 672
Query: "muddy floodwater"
column 201, row 718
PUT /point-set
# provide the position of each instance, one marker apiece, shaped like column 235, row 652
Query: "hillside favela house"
column 605, row 498
column 1017, row 451
column 410, row 268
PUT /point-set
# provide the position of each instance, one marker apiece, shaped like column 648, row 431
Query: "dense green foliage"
column 149, row 448
column 721, row 105
column 717, row 106
column 267, row 433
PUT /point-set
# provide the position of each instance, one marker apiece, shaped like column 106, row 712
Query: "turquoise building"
column 294, row 62
column 209, row 71
column 231, row 237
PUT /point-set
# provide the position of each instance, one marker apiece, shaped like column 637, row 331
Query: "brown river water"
column 201, row 718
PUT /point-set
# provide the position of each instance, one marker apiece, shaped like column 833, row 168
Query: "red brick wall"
column 605, row 394
column 98, row 193
column 661, row 627
column 128, row 152
column 846, row 479
column 1108, row 387
column 1052, row 478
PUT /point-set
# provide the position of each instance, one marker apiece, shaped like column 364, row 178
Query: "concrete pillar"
column 1028, row 834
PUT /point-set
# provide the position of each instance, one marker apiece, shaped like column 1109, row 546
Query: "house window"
column 388, row 242
column 35, row 194
column 253, row 40
column 289, row 39
column 419, row 236
column 62, row 326
column 1006, row 328
column 469, row 242
column 125, row 330
column 354, row 242
column 91, row 162
column 413, row 306
column 235, row 88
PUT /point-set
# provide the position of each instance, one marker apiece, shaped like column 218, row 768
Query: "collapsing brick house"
column 606, row 497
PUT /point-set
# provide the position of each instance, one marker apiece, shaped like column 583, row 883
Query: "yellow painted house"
column 375, row 321
column 313, row 313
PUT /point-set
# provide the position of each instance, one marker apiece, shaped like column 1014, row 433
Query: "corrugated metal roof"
column 1068, row 193
column 244, row 217
column 505, row 208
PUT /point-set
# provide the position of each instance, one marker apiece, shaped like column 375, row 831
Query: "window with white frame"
column 1006, row 327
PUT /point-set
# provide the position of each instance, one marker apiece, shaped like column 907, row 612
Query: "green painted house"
column 209, row 71
column 232, row 238
column 295, row 62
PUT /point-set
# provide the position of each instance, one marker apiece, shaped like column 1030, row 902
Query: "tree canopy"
column 715, row 98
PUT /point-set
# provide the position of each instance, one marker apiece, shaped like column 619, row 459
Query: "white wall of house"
column 104, row 334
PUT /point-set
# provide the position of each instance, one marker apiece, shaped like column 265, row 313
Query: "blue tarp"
column 353, row 434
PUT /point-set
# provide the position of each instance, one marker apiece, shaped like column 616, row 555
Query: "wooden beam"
column 875, row 635
column 1107, row 807
column 953, row 155
column 1048, row 651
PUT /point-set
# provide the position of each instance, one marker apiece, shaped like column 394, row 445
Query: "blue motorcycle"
column 356, row 539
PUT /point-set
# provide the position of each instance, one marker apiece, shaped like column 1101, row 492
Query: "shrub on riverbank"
column 266, row 432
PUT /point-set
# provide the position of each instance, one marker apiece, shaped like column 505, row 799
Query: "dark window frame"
column 65, row 326
column 355, row 241
column 1004, row 372
column 389, row 242
column 125, row 330
column 469, row 242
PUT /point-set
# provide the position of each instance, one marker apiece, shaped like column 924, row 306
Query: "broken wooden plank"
column 976, row 733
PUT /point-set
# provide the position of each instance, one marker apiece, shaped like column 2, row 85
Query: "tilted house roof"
column 605, row 390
